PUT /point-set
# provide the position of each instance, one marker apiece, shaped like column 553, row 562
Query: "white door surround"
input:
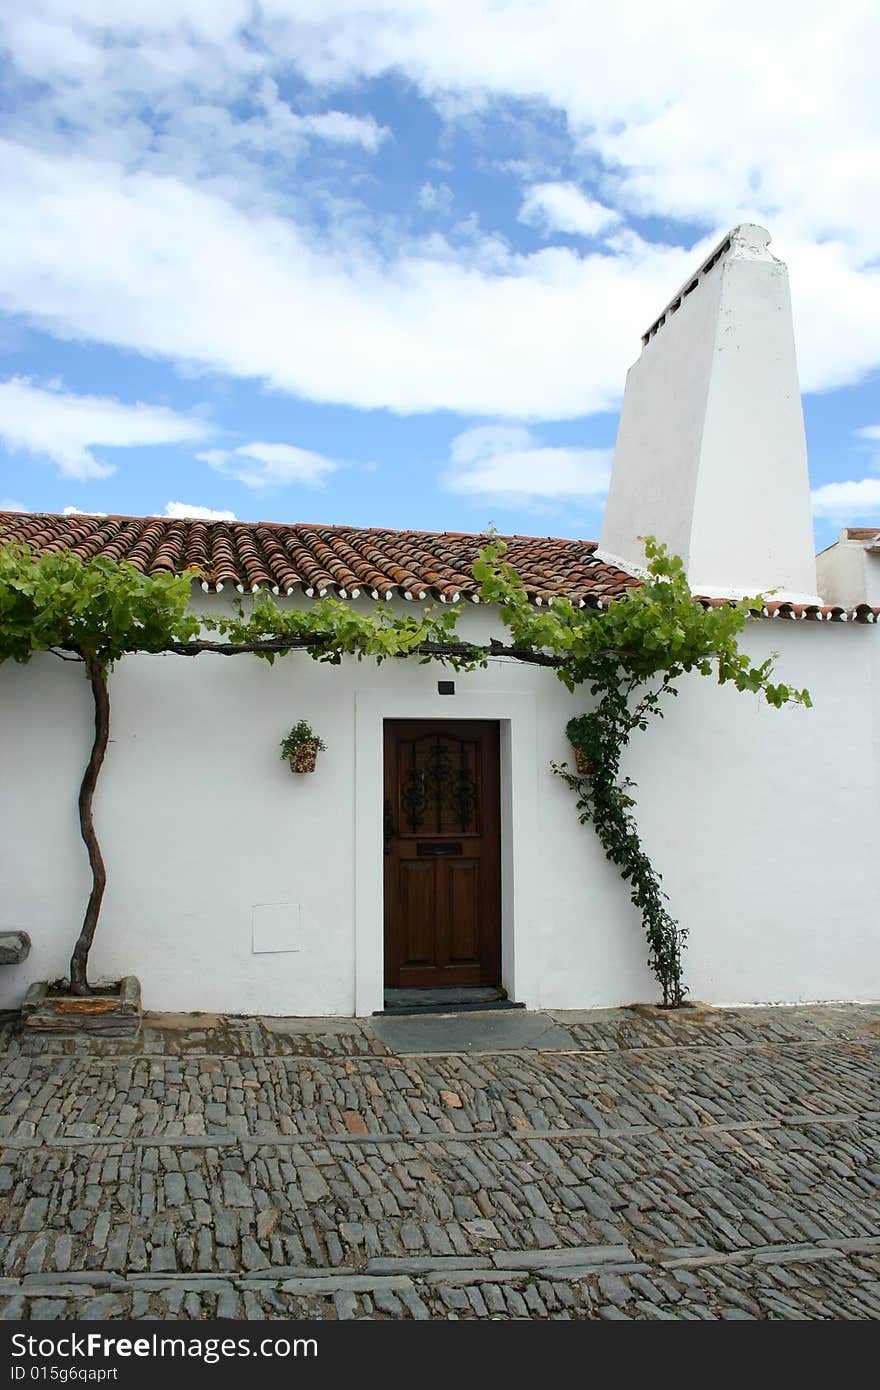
column 516, row 714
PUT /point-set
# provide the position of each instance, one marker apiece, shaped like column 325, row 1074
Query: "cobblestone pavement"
column 718, row 1164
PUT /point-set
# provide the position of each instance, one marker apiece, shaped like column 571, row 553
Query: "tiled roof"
column 862, row 533
column 315, row 560
column 347, row 561
column 812, row 612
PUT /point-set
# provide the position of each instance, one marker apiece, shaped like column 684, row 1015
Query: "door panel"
column 442, row 854
column 418, row 907
column 464, row 884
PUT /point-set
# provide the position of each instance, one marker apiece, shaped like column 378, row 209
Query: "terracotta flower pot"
column 304, row 758
column 584, row 764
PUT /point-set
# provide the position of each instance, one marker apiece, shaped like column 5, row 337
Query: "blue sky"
column 388, row 264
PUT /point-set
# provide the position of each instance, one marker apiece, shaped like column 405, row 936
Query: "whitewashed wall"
column 764, row 823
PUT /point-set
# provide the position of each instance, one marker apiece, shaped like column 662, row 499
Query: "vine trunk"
column 97, row 674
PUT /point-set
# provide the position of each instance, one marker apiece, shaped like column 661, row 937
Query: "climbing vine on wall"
column 92, row 612
column 628, row 659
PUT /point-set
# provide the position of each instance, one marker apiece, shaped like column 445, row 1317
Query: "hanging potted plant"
column 301, row 747
column 580, row 734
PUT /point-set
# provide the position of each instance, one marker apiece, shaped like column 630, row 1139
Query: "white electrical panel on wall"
column 277, row 927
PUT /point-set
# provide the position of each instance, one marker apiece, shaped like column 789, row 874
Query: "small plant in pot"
column 581, row 734
column 301, row 746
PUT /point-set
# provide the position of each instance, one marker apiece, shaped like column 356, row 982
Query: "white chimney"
column 711, row 455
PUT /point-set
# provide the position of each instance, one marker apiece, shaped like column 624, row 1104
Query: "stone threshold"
column 444, row 1010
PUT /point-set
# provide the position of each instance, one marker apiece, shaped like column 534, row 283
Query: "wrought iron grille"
column 439, row 786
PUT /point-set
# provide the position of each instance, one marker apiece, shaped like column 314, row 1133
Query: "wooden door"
column 442, row 854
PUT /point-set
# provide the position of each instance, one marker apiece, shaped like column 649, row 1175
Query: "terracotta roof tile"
column 862, row 533
column 350, row 560
column 341, row 560
column 812, row 612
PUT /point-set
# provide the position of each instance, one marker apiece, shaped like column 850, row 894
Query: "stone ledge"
column 116, row 1015
column 15, row 946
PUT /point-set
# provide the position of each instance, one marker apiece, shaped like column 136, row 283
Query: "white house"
column 849, row 570
column 433, row 847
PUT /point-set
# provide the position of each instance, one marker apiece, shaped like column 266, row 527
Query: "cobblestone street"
column 718, row 1164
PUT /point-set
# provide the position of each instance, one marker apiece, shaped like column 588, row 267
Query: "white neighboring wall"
column 763, row 823
column 848, row 572
column 711, row 455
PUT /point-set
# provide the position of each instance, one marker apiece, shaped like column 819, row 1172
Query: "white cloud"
column 339, row 127
column 848, row 499
column 436, row 197
column 263, row 299
column 65, row 427
column 479, row 331
column 165, row 142
column 869, row 432
column 271, row 465
column 505, row 464
column 273, row 128
column 76, row 511
column 8, row 504
column 563, row 207
column 184, row 511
